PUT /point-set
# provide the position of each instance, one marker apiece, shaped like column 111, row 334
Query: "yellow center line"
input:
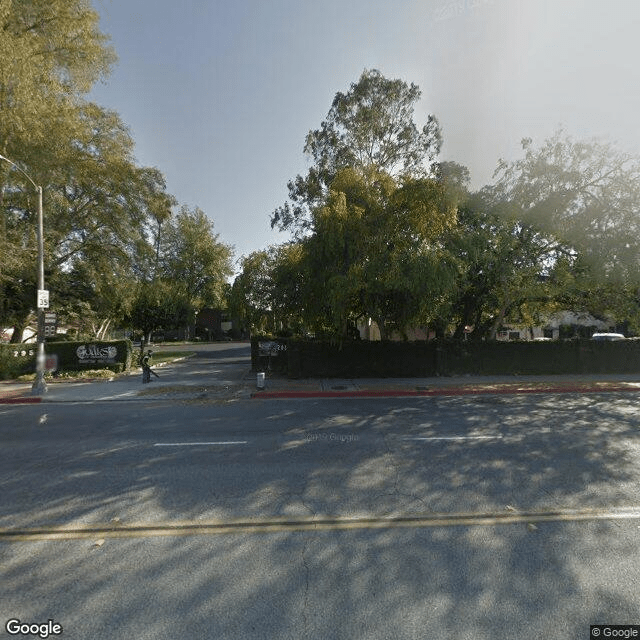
column 311, row 523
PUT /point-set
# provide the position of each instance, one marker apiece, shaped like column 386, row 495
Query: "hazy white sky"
column 220, row 95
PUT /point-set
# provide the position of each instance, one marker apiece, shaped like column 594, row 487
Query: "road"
column 444, row 517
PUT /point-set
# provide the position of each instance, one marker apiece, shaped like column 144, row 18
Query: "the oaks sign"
column 94, row 354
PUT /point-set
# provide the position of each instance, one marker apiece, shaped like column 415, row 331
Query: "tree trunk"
column 104, row 327
column 497, row 323
column 380, row 321
column 18, row 330
column 16, row 336
column 440, row 327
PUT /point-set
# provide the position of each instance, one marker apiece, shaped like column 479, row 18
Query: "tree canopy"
column 369, row 127
column 105, row 217
column 52, row 53
column 585, row 192
column 400, row 239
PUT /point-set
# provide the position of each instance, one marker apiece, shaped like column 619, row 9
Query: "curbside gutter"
column 447, row 391
column 21, row 400
column 283, row 389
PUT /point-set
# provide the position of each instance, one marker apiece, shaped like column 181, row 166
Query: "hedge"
column 298, row 358
column 17, row 360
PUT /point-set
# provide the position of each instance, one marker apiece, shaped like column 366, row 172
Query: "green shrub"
column 16, row 360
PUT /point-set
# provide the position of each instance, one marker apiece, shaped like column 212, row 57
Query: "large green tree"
column 194, row 258
column 585, row 192
column 369, row 210
column 503, row 267
column 100, row 208
column 52, row 52
column 99, row 213
column 157, row 305
column 574, row 211
column 251, row 297
column 370, row 126
column 271, row 293
column 375, row 253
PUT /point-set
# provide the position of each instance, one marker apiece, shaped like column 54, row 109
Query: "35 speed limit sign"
column 43, row 299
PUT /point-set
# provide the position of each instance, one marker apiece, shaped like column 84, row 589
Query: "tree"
column 559, row 228
column 194, row 258
column 268, row 295
column 585, row 192
column 157, row 305
column 558, row 225
column 52, row 52
column 99, row 209
column 369, row 127
column 290, row 280
column 191, row 271
column 107, row 221
column 374, row 251
column 250, row 301
column 503, row 267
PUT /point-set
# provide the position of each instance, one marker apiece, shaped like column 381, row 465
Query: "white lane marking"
column 456, row 438
column 196, row 444
column 43, row 418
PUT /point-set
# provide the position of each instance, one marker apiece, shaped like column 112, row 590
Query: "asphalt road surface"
column 446, row 517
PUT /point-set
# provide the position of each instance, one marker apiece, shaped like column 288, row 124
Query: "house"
column 28, row 335
column 212, row 324
column 562, row 324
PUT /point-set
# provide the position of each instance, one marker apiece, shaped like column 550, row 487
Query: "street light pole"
column 39, row 385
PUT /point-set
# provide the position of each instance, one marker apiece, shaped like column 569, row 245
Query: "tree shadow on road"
column 499, row 581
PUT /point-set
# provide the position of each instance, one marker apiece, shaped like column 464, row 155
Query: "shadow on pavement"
column 467, row 582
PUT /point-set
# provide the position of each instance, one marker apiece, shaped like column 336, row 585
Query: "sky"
column 219, row 95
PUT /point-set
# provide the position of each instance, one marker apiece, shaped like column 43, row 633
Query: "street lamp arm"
column 23, row 172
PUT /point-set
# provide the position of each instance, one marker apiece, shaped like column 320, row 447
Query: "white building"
column 28, row 335
column 551, row 328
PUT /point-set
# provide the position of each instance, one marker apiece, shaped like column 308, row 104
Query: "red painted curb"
column 20, row 400
column 393, row 393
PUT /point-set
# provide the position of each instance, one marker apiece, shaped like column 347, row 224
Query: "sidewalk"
column 128, row 387
column 454, row 385
column 242, row 386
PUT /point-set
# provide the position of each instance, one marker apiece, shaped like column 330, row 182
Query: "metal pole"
column 39, row 385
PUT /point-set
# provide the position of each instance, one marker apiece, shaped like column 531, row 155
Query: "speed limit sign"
column 43, row 299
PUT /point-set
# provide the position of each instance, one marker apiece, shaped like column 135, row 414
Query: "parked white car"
column 607, row 336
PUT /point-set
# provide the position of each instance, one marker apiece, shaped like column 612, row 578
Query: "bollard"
column 260, row 381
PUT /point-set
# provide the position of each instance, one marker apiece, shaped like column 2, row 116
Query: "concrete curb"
column 21, row 400
column 245, row 389
column 444, row 391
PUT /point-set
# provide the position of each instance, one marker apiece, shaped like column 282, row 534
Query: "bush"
column 16, row 360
